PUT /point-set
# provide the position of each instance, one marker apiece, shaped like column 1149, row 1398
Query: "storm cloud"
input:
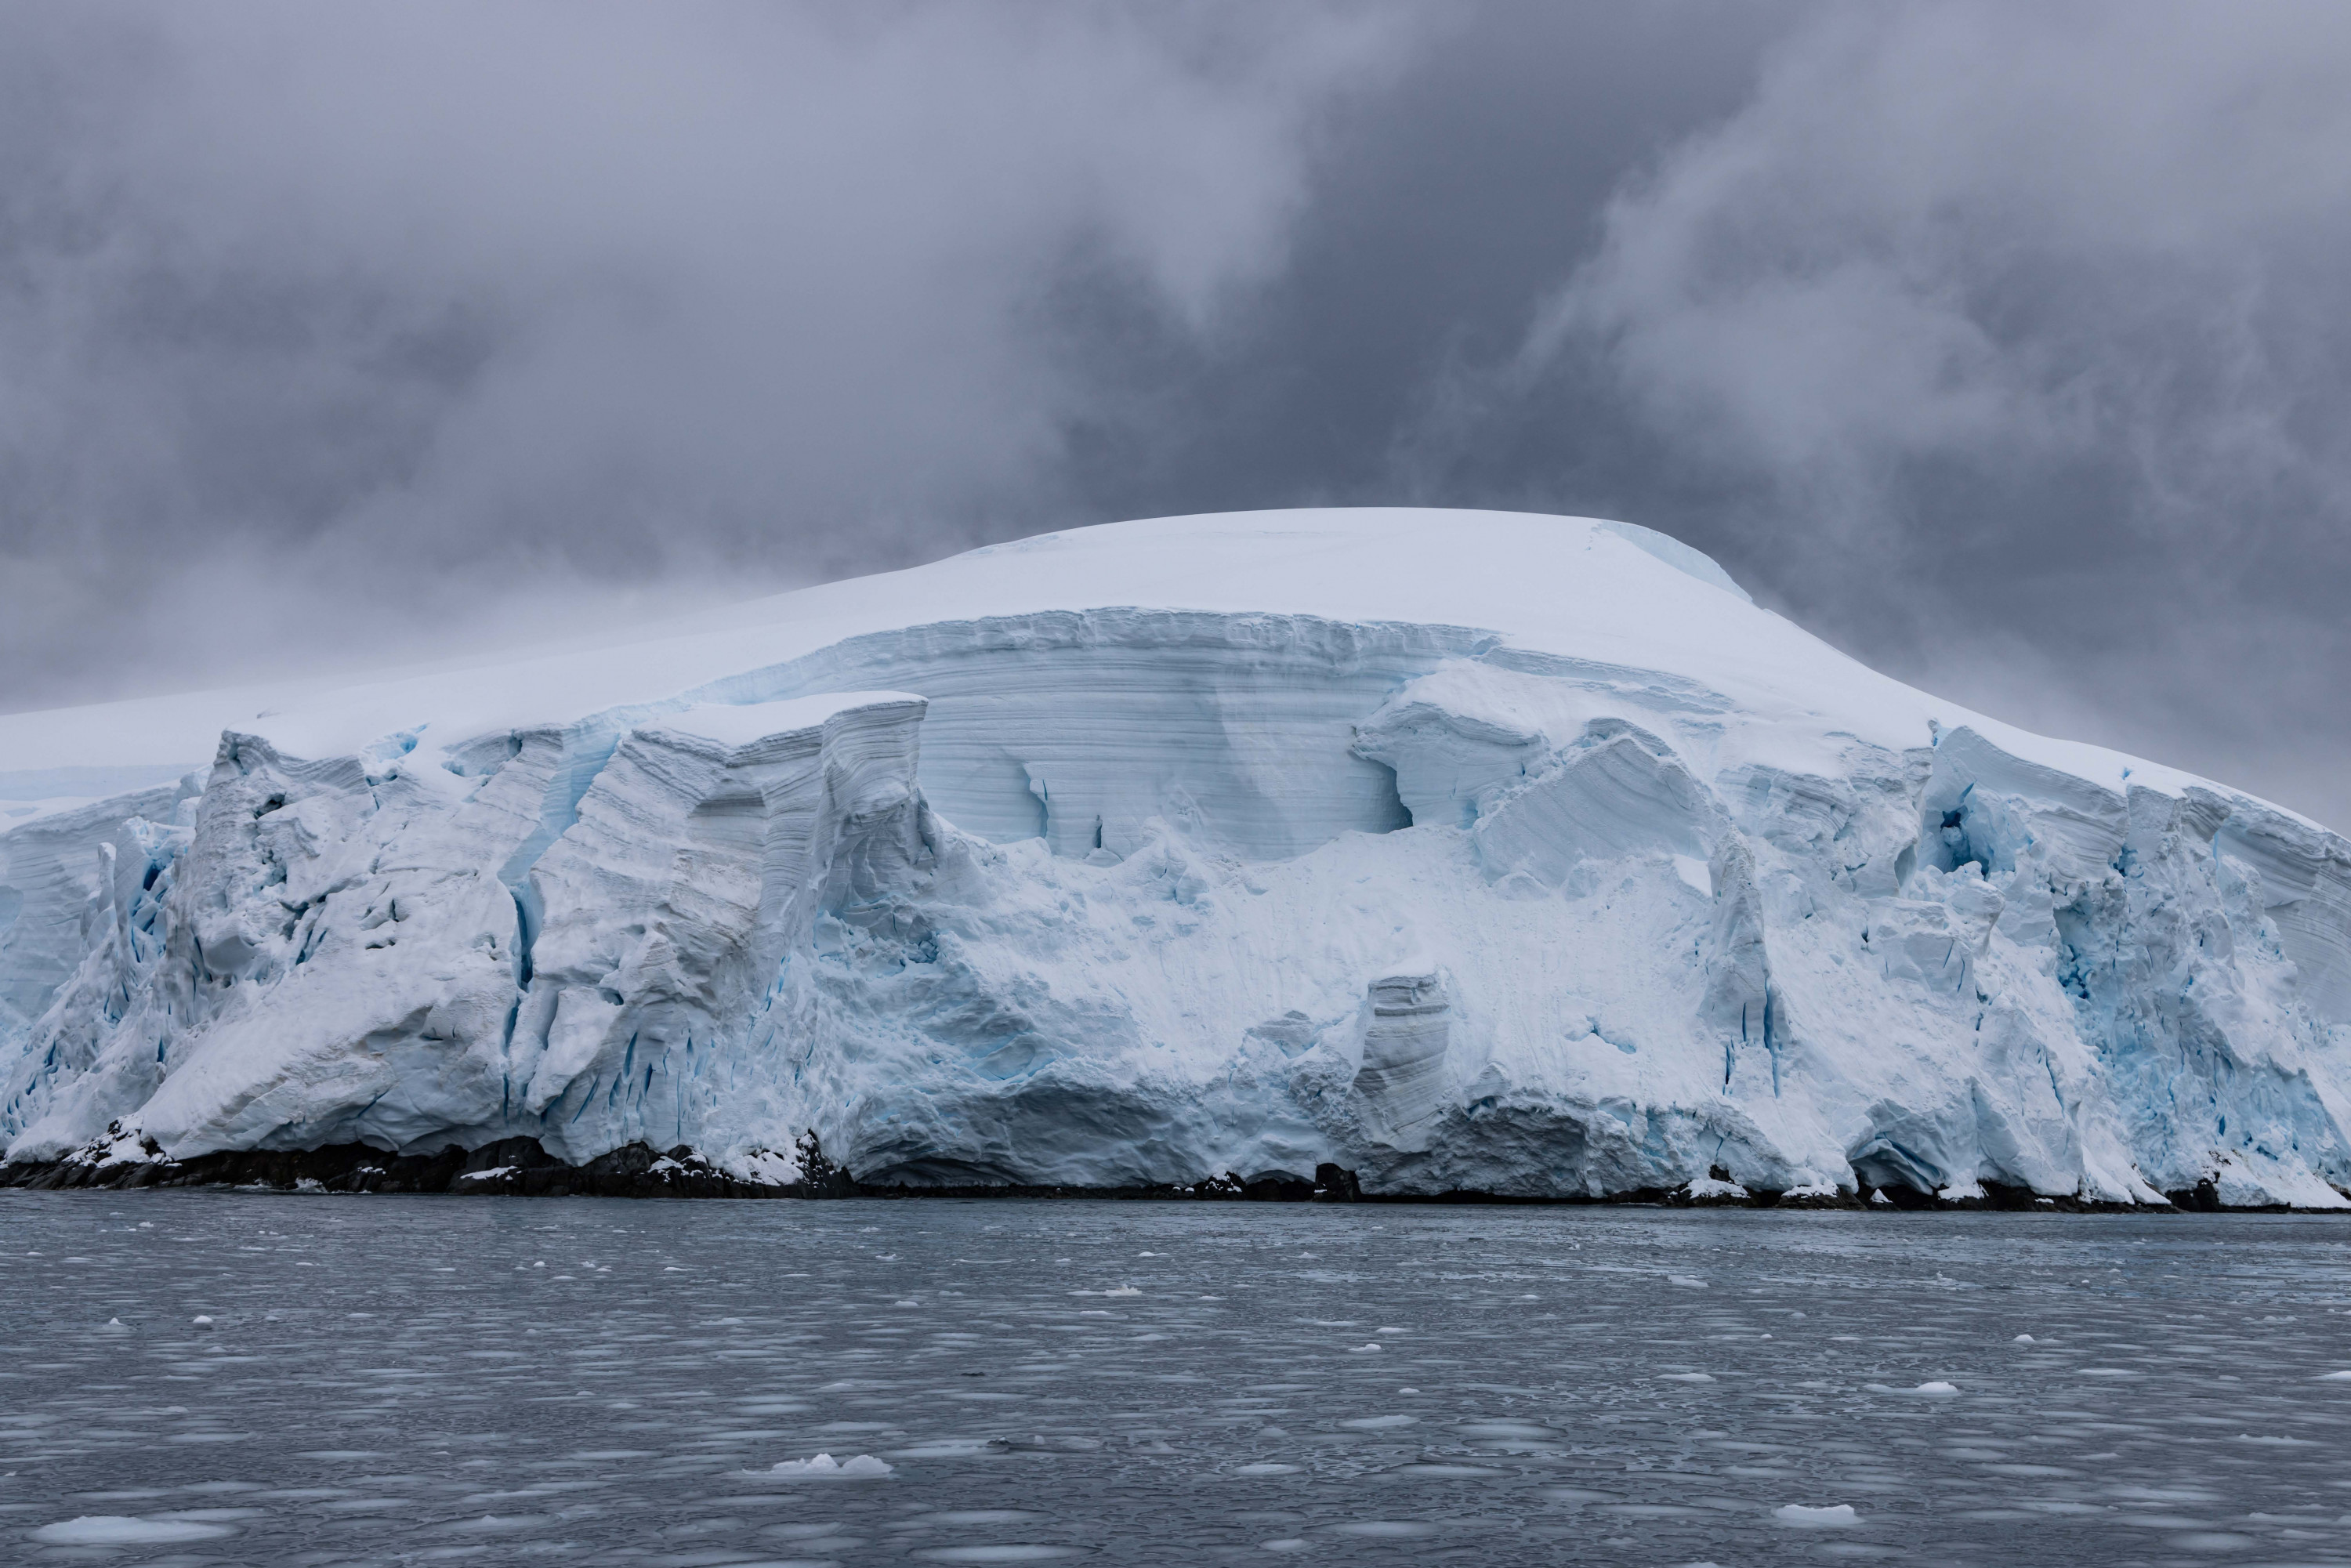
column 2007, row 347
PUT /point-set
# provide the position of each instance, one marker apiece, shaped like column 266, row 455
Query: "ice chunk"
column 112, row 1529
column 1708, row 1187
column 824, row 1466
column 1836, row 1516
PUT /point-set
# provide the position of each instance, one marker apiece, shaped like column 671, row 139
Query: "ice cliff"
column 1460, row 850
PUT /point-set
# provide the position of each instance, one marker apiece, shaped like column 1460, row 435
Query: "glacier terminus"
column 1465, row 852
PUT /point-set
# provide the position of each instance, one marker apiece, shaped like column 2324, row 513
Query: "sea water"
column 212, row 1377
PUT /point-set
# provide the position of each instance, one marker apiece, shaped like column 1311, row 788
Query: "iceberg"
column 1378, row 851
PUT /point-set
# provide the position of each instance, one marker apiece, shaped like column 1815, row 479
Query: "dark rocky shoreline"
column 520, row 1167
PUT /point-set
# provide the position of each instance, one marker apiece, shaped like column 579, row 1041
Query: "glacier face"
column 1465, row 850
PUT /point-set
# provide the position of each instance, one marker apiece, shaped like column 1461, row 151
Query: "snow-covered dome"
column 1462, row 850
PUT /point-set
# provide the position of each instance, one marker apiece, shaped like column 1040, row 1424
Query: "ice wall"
column 1567, row 902
column 1081, row 726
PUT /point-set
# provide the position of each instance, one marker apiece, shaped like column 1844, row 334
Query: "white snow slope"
column 1464, row 850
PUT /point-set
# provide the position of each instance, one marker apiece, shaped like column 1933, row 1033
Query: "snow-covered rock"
column 1457, row 850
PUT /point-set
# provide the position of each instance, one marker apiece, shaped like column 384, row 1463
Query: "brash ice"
column 1464, row 850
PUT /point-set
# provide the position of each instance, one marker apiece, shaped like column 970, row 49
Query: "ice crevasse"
column 1463, row 849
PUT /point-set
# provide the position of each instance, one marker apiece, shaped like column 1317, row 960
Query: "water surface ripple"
column 389, row 1380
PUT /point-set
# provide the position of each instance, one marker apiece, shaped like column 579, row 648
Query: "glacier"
column 1462, row 851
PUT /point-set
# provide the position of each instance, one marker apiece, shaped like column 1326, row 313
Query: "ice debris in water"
column 2335, row 1378
column 2024, row 1339
column 1924, row 1390
column 1687, row 1281
column 202, row 1322
column 1123, row 1291
column 1365, row 1350
column 824, row 1466
column 1834, row 1517
column 113, row 1530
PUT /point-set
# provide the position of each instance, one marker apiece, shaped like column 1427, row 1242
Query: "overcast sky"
column 2009, row 348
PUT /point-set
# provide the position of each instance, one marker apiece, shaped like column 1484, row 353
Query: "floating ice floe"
column 824, row 1466
column 1924, row 1390
column 113, row 1530
column 1836, row 1516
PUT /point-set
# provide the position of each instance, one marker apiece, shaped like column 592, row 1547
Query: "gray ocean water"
column 389, row 1380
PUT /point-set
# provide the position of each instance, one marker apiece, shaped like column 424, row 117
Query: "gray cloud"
column 325, row 325
column 2007, row 346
